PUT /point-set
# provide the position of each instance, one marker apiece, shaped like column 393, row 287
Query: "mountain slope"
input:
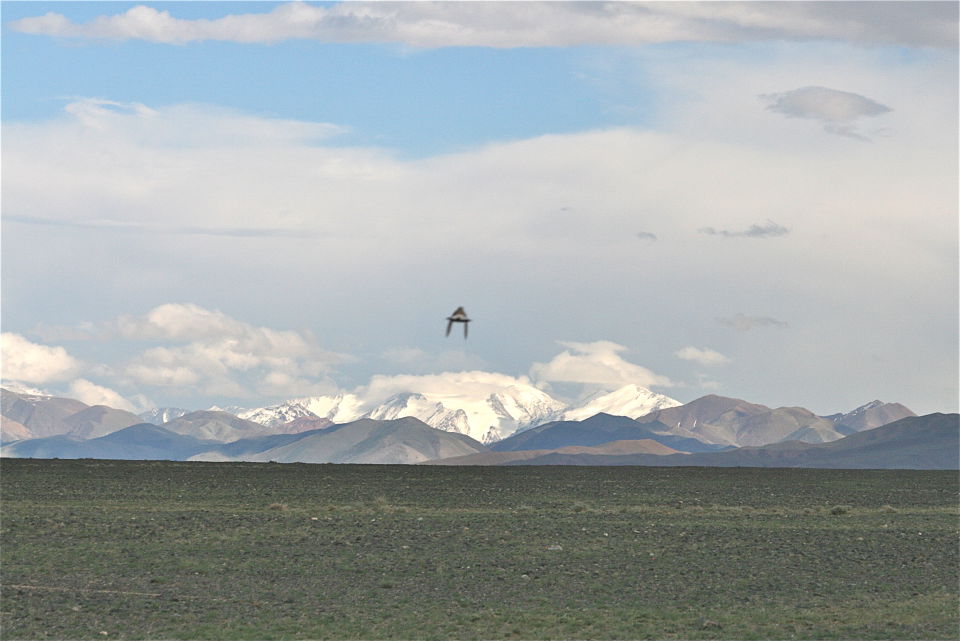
column 277, row 415
column 871, row 415
column 711, row 418
column 161, row 415
column 630, row 400
column 99, row 420
column 404, row 440
column 40, row 415
column 218, row 426
column 144, row 441
column 732, row 421
column 918, row 442
column 596, row 430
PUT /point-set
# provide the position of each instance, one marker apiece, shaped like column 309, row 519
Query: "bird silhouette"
column 459, row 316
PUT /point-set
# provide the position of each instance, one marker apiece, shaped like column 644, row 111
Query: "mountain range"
column 917, row 442
column 711, row 430
column 487, row 413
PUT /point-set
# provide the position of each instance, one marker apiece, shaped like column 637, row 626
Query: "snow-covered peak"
column 865, row 408
column 482, row 411
column 430, row 411
column 631, row 400
column 525, row 405
column 277, row 415
column 162, row 415
column 339, row 408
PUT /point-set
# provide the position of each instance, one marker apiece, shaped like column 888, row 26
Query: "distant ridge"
column 930, row 442
column 594, row 431
column 220, row 426
column 27, row 416
column 735, row 422
column 398, row 441
column 144, row 441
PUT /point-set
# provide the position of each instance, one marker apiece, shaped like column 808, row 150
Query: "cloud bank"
column 597, row 364
column 204, row 352
column 529, row 24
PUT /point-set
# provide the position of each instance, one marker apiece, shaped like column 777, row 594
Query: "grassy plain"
column 165, row 550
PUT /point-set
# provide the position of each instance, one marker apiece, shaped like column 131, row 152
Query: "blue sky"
column 757, row 200
column 415, row 102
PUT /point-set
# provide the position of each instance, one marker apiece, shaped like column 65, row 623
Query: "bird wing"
column 465, row 326
column 449, row 326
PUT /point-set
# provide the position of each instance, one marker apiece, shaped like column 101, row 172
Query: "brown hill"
column 99, row 420
column 217, row 426
column 872, row 415
column 732, row 421
column 304, row 424
column 711, row 419
column 41, row 415
column 399, row 441
column 11, row 430
column 930, row 442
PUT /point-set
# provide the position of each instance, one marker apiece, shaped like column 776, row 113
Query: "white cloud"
column 821, row 103
column 224, row 356
column 596, row 364
column 29, row 362
column 703, row 356
column 495, row 24
column 836, row 109
column 378, row 240
column 93, row 394
column 448, row 385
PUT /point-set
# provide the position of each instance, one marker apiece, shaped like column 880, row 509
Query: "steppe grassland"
column 163, row 550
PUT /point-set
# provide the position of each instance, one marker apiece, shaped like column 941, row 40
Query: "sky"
column 240, row 203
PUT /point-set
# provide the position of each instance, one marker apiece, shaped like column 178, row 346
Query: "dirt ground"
column 167, row 550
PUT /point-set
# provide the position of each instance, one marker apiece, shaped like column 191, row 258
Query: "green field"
column 165, row 550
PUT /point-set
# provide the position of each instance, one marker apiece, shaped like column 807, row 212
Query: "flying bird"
column 459, row 316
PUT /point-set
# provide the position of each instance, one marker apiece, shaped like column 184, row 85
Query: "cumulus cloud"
column 92, row 394
column 745, row 323
column 768, row 230
column 597, row 364
column 29, row 362
column 703, row 356
column 836, row 109
column 494, row 24
column 447, row 385
column 221, row 355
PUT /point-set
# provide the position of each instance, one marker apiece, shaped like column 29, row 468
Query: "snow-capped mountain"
column 277, row 415
column 433, row 413
column 339, row 408
column 485, row 412
column 486, row 419
column 162, row 415
column 869, row 416
column 631, row 401
column 468, row 409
